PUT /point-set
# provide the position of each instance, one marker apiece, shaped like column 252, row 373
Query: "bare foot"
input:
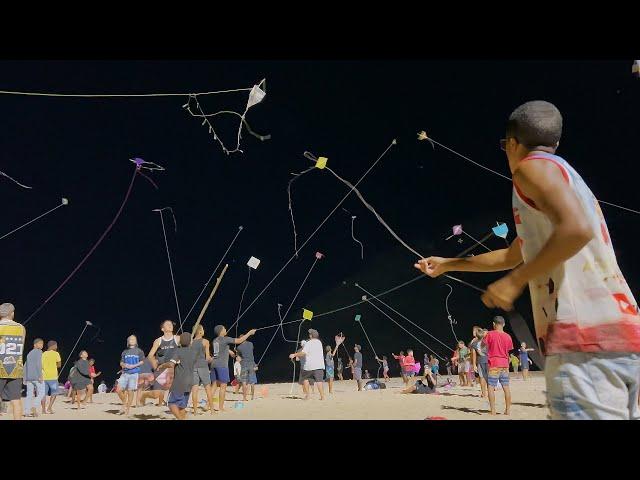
column 507, row 412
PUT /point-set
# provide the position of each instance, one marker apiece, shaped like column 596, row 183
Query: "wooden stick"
column 206, row 305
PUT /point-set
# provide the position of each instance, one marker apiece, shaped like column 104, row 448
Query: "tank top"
column 166, row 350
column 201, row 358
column 11, row 348
column 584, row 304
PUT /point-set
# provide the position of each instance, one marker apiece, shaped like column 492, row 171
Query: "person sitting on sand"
column 183, row 363
column 313, row 363
column 148, row 387
column 131, row 360
column 421, row 387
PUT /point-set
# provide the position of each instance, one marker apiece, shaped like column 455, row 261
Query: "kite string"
column 399, row 314
column 293, row 378
column 293, row 222
column 233, row 241
column 103, row 95
column 290, row 305
column 173, row 281
column 449, row 317
column 73, row 349
column 93, row 249
column 510, row 179
column 31, row 221
column 318, row 228
column 412, row 335
column 478, row 242
column 371, row 345
column 15, row 181
column 355, row 239
column 242, row 298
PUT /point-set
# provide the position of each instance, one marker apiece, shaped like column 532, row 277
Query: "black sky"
column 348, row 111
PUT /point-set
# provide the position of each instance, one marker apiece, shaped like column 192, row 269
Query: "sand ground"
column 346, row 403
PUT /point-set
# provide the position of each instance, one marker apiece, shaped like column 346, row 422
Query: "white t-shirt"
column 237, row 368
column 102, row 388
column 314, row 355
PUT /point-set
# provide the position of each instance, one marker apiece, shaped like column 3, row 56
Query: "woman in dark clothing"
column 80, row 379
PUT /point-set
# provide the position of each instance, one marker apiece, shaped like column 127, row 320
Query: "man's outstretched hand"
column 432, row 266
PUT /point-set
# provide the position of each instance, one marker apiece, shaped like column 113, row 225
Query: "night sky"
column 348, row 111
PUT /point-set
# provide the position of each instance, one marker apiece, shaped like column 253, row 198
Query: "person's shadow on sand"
column 465, row 409
column 526, row 404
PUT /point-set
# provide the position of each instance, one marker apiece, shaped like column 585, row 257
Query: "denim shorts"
column 128, row 381
column 593, row 386
column 51, row 388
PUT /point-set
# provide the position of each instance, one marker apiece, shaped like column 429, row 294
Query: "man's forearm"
column 563, row 244
column 495, row 261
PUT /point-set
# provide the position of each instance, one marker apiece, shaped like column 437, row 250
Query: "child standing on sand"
column 514, row 364
column 525, row 361
column 385, row 367
column 183, row 362
column 462, row 357
column 400, row 359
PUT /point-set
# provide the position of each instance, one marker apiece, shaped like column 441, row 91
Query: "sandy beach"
column 346, row 403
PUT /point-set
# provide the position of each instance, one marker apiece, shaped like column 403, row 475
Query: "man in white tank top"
column 585, row 315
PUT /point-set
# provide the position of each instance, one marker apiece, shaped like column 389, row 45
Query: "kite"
column 256, row 95
column 368, row 296
column 358, row 319
column 353, row 219
column 62, row 203
column 501, row 230
column 282, row 318
column 224, row 255
column 139, row 165
column 423, row 136
column 14, row 180
column 295, row 254
column 457, row 231
column 253, row 264
column 166, row 244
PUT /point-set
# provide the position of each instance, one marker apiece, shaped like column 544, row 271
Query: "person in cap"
column 313, row 354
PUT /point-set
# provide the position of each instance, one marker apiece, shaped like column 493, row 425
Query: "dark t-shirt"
column 201, row 358
column 245, row 350
column 220, row 347
column 185, row 359
column 357, row 358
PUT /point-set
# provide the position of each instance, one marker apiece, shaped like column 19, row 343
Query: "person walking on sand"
column 80, row 379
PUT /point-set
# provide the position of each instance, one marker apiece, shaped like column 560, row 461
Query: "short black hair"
column 535, row 124
column 218, row 329
column 499, row 320
column 51, row 343
column 38, row 340
column 185, row 339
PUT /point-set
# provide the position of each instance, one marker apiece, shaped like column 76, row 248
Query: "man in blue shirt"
column 130, row 361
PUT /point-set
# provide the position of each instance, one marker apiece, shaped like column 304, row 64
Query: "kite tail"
column 15, row 181
column 355, row 239
column 373, row 210
column 93, row 249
